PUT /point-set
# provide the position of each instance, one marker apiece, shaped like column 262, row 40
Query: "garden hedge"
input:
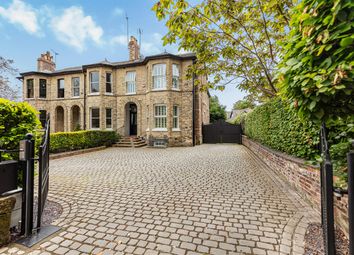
column 275, row 125
column 69, row 141
column 16, row 120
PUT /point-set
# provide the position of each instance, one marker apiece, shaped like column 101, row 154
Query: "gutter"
column 193, row 108
column 84, row 100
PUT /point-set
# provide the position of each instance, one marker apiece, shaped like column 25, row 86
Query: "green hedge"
column 69, row 141
column 275, row 125
column 16, row 120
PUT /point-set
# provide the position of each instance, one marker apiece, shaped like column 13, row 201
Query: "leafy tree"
column 233, row 40
column 217, row 111
column 6, row 91
column 317, row 71
column 243, row 104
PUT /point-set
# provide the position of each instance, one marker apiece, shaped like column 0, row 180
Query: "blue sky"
column 82, row 32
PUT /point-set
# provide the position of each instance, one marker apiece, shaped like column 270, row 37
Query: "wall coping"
column 293, row 159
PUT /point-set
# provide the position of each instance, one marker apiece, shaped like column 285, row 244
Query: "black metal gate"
column 327, row 211
column 222, row 132
column 43, row 181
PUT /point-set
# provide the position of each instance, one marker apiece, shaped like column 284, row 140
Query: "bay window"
column 160, row 116
column 175, row 76
column 94, row 83
column 159, row 76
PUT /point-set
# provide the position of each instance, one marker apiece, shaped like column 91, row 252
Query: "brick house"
column 146, row 97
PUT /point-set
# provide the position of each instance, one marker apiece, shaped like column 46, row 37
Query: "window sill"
column 159, row 129
column 160, row 89
column 94, row 94
column 75, row 97
column 147, row 130
column 95, row 129
column 176, row 89
column 129, row 94
column 108, row 94
column 110, row 129
column 176, row 129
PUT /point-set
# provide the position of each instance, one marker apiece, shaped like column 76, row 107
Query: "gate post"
column 350, row 157
column 27, row 155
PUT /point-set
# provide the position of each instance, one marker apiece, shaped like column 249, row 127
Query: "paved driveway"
column 210, row 199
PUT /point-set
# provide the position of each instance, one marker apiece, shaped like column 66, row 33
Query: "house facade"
column 147, row 97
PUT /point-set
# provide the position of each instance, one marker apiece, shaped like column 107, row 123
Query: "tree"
column 6, row 90
column 233, row 40
column 317, row 70
column 243, row 104
column 217, row 111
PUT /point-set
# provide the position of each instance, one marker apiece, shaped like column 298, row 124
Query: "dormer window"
column 130, row 82
column 159, row 76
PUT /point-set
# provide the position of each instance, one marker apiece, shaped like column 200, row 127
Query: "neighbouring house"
column 146, row 97
column 231, row 116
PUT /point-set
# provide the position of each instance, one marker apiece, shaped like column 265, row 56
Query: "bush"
column 275, row 125
column 69, row 141
column 16, row 120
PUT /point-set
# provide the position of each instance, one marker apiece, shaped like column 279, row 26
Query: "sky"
column 83, row 32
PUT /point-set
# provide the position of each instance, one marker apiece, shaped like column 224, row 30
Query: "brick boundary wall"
column 305, row 178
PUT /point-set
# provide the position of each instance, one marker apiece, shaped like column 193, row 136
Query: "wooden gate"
column 222, row 132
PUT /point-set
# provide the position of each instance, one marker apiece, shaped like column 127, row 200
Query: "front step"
column 131, row 142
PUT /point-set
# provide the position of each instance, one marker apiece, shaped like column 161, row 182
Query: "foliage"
column 317, row 69
column 217, row 111
column 233, row 40
column 275, row 125
column 243, row 104
column 16, row 120
column 7, row 91
column 240, row 119
column 68, row 141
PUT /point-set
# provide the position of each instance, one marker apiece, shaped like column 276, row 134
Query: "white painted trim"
column 176, row 129
column 159, row 130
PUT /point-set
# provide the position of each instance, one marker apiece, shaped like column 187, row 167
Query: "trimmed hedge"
column 16, row 120
column 275, row 125
column 69, row 141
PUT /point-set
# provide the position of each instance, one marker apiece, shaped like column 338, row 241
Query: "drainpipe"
column 193, row 108
column 84, row 99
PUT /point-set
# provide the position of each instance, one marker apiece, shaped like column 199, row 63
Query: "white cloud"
column 75, row 29
column 119, row 40
column 118, row 11
column 148, row 48
column 21, row 14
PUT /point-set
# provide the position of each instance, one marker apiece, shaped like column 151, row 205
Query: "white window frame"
column 130, row 82
column 159, row 77
column 73, row 88
column 175, row 117
column 91, row 118
column 110, row 83
column 162, row 118
column 111, row 127
column 96, row 82
column 175, row 76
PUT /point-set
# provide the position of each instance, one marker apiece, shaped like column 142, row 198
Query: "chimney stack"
column 134, row 49
column 45, row 63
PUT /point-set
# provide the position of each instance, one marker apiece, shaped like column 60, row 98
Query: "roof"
column 142, row 61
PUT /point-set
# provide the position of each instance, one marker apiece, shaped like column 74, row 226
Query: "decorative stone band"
column 305, row 178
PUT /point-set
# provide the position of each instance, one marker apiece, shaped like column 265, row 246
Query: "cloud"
column 118, row 11
column 22, row 14
column 74, row 28
column 119, row 40
column 148, row 48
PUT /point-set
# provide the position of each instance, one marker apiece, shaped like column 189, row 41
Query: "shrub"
column 69, row 141
column 16, row 120
column 275, row 125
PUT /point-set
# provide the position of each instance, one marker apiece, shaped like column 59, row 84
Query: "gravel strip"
column 314, row 241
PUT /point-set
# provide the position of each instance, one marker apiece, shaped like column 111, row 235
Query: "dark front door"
column 133, row 120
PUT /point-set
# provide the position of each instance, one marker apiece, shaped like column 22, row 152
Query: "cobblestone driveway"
column 210, row 199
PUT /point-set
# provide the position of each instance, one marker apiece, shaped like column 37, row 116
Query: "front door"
column 133, row 120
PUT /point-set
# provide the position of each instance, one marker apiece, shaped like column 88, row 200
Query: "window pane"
column 95, row 118
column 61, row 88
column 94, row 82
column 42, row 117
column 42, row 88
column 159, row 76
column 75, row 83
column 108, row 118
column 160, row 116
column 30, row 91
column 108, row 82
